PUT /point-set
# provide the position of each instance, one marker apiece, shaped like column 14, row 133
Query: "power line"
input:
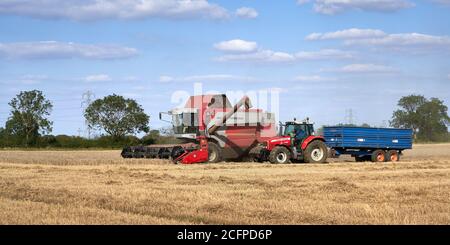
column 87, row 99
column 349, row 116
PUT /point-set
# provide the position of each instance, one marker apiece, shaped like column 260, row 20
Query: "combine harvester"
column 212, row 130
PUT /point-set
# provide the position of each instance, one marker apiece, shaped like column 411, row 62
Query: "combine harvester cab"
column 212, row 130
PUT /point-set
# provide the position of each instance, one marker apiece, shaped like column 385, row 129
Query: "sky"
column 322, row 57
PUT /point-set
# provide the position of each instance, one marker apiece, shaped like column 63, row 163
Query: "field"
column 98, row 187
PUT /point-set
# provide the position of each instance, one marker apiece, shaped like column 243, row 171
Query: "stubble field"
column 99, row 187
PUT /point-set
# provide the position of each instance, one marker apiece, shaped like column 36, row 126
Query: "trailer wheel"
column 392, row 156
column 378, row 156
column 279, row 154
column 316, row 152
column 214, row 152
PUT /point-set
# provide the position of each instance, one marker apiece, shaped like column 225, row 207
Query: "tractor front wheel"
column 279, row 154
column 316, row 152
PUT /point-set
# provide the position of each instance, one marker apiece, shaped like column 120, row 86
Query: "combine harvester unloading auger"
column 212, row 130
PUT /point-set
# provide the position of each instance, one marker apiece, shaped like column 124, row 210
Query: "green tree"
column 117, row 116
column 427, row 118
column 29, row 112
column 151, row 138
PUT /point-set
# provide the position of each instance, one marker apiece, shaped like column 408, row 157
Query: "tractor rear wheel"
column 378, row 156
column 279, row 154
column 392, row 156
column 316, row 152
column 214, row 152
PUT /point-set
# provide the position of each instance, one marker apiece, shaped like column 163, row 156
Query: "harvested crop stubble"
column 99, row 187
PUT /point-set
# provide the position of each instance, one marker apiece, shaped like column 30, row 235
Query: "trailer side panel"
column 368, row 138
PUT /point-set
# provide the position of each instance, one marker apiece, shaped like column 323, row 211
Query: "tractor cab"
column 298, row 131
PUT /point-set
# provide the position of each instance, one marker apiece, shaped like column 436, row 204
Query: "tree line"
column 121, row 118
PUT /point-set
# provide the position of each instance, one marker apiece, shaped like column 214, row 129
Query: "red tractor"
column 296, row 142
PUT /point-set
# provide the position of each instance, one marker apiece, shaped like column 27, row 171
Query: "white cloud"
column 236, row 45
column 130, row 78
column 32, row 79
column 364, row 68
column 88, row 10
column 376, row 38
column 245, row 12
column 444, row 2
column 324, row 54
column 98, row 78
column 165, row 79
column 277, row 57
column 275, row 90
column 314, row 78
column 259, row 56
column 63, row 50
column 246, row 51
column 301, row 2
column 331, row 7
column 404, row 39
column 207, row 78
column 352, row 33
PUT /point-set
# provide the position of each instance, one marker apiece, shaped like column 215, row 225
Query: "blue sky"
column 323, row 56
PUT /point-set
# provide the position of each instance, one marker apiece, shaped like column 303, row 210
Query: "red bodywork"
column 286, row 141
column 235, row 137
column 197, row 156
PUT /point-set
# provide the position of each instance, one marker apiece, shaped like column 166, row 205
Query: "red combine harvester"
column 212, row 130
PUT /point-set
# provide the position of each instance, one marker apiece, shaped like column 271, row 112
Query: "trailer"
column 368, row 144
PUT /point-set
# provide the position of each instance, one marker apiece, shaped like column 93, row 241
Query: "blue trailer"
column 368, row 144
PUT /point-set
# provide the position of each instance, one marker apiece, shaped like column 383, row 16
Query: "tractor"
column 296, row 142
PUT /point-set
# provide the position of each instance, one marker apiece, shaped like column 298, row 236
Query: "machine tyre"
column 214, row 152
column 279, row 155
column 316, row 152
column 176, row 152
column 378, row 156
column 392, row 156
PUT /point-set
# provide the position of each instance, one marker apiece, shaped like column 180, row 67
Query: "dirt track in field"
column 98, row 187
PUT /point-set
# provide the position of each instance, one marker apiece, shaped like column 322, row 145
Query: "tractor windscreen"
column 290, row 128
column 185, row 123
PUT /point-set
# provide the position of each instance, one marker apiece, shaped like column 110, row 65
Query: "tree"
column 117, row 116
column 29, row 112
column 427, row 118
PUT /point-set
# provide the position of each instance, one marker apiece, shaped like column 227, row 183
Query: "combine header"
column 212, row 130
